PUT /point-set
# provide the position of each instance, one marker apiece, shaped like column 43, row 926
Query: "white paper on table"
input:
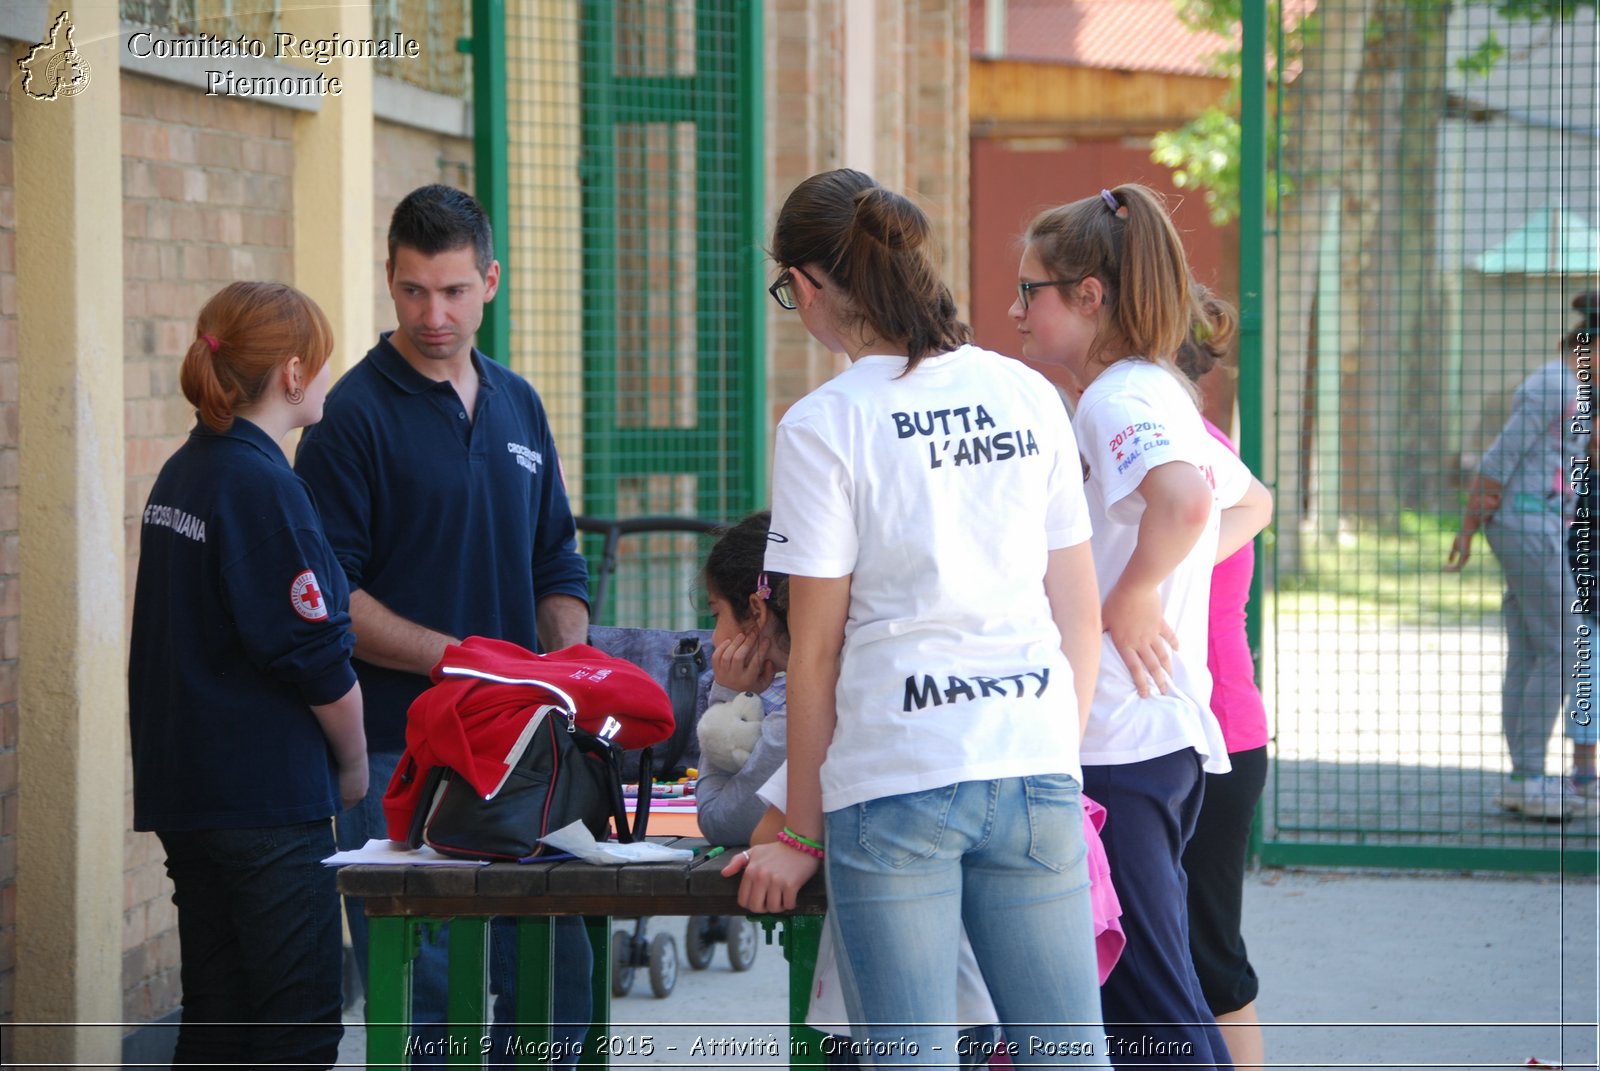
column 394, row 853
column 577, row 839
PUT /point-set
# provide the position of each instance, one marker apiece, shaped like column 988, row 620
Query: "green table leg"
column 799, row 934
column 535, row 992
column 599, row 929
column 467, row 1002
column 391, row 951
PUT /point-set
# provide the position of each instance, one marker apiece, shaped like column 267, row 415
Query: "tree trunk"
column 1425, row 462
column 1313, row 159
column 1392, row 416
column 1365, row 340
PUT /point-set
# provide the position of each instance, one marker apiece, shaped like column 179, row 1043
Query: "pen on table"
column 712, row 853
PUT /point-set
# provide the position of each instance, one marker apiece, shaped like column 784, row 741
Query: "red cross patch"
column 306, row 597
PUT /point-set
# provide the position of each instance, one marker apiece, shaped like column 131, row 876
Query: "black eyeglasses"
column 782, row 291
column 1023, row 288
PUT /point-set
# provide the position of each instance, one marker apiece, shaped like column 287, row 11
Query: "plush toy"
column 728, row 732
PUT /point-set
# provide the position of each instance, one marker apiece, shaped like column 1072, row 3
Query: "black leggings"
column 1214, row 862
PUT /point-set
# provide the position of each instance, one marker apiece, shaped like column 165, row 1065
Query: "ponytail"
column 214, row 403
column 245, row 333
column 876, row 247
column 1213, row 323
column 1124, row 238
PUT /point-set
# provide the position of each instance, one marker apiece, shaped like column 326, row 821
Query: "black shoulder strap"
column 616, row 801
column 641, row 803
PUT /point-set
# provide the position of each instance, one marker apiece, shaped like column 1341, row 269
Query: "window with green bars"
column 634, row 163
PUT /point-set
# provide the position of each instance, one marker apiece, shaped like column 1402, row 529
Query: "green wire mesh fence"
column 634, row 165
column 1436, row 213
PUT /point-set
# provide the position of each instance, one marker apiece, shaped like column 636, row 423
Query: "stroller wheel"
column 699, row 944
column 663, row 964
column 741, row 943
column 621, row 963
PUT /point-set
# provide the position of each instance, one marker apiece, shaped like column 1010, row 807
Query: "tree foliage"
column 1204, row 153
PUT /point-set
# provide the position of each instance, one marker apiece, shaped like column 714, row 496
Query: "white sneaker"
column 1548, row 799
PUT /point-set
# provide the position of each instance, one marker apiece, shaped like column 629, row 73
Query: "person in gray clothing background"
column 1522, row 497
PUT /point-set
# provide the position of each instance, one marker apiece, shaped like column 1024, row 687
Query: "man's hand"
column 353, row 778
column 384, row 638
column 562, row 620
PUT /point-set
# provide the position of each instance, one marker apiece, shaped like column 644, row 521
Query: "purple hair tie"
column 1111, row 200
column 763, row 588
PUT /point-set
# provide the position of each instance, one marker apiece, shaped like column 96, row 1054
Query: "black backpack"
column 681, row 662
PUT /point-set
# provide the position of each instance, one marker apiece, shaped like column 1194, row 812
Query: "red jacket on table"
column 488, row 693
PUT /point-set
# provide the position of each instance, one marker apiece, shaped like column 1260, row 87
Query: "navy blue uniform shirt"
column 240, row 626
column 457, row 525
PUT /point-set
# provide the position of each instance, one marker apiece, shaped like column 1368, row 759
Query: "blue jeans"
column 258, row 926
column 1007, row 858
column 573, row 957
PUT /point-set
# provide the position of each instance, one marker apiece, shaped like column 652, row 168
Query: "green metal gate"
column 1434, row 211
column 633, row 176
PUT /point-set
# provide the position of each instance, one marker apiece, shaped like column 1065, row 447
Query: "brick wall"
column 805, row 134
column 9, row 620
column 920, row 97
column 934, row 129
column 404, row 158
column 207, row 199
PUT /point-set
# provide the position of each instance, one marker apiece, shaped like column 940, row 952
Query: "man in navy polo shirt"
column 437, row 478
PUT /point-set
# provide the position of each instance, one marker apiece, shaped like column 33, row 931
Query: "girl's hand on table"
column 773, row 877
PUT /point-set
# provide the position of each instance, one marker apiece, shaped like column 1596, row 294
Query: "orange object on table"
column 673, row 823
column 669, row 817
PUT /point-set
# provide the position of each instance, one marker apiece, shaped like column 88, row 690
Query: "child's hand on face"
column 742, row 663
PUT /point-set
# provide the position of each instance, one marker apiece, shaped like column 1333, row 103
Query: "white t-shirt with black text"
column 1137, row 416
column 940, row 493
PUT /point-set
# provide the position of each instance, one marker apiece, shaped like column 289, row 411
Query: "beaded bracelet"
column 799, row 843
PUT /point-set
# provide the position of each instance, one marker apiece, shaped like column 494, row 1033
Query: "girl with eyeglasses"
column 928, row 509
column 1110, row 305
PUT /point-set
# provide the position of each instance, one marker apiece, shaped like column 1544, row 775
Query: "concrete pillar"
column 333, row 181
column 72, row 732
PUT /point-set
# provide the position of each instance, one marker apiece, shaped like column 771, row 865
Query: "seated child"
column 740, row 746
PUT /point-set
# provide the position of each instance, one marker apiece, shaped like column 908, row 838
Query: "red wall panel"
column 1015, row 179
